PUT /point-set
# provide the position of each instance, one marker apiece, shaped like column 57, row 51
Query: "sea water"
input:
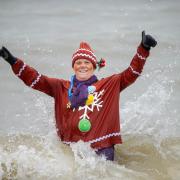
column 45, row 34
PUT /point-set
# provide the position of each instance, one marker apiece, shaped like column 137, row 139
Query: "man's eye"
column 78, row 63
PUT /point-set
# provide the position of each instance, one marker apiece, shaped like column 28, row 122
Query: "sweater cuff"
column 142, row 51
column 17, row 65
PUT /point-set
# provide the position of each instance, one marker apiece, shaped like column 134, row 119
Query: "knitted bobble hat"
column 84, row 52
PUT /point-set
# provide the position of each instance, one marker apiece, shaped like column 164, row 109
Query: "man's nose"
column 83, row 64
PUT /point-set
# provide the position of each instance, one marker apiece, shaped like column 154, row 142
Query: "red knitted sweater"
column 103, row 112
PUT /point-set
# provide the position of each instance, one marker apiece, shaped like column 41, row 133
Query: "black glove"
column 6, row 55
column 148, row 41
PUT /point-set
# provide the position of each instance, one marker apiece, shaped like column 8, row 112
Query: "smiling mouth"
column 83, row 71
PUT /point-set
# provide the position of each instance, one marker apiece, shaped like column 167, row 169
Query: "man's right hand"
column 6, row 55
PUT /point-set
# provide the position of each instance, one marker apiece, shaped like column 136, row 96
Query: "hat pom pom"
column 101, row 63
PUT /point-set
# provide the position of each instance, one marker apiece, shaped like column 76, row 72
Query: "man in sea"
column 86, row 108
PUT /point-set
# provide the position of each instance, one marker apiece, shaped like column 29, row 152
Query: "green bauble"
column 84, row 125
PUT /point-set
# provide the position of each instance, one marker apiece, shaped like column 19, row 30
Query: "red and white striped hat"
column 84, row 52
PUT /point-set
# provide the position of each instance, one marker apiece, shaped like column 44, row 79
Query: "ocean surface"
column 45, row 34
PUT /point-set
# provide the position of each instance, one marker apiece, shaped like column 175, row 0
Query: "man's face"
column 83, row 69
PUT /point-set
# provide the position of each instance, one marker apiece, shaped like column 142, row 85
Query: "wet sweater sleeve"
column 128, row 76
column 33, row 78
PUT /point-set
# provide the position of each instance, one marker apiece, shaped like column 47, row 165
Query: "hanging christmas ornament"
column 91, row 89
column 90, row 100
column 84, row 125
